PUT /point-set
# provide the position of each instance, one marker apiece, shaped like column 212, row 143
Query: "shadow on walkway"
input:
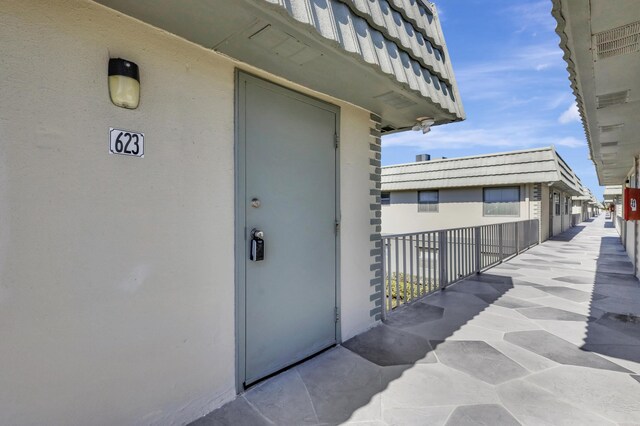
column 504, row 347
column 614, row 321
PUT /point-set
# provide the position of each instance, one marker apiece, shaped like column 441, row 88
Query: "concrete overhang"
column 612, row 191
column 601, row 44
column 388, row 57
column 567, row 188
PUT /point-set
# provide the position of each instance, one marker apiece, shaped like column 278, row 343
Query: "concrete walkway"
column 550, row 337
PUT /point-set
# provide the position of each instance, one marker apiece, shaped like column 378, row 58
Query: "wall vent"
column 608, row 143
column 284, row 45
column 615, row 98
column 618, row 41
column 395, row 100
column 611, row 128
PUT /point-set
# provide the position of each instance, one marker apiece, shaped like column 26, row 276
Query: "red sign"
column 631, row 209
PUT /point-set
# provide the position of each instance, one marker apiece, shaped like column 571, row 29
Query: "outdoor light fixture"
column 423, row 124
column 124, row 83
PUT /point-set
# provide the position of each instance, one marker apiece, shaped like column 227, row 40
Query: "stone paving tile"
column 576, row 384
column 284, row 400
column 532, row 405
column 429, row 385
column 547, row 313
column 416, row 313
column 476, row 288
column 343, row 386
column 481, row 415
column 500, row 323
column 386, row 346
column 526, row 292
column 480, row 360
column 625, row 324
column 585, row 309
column 529, row 360
column 580, row 333
column 236, row 413
column 570, row 293
column 508, row 302
column 472, row 332
column 575, row 279
column 558, row 350
column 617, row 353
column 618, row 305
column 435, row 416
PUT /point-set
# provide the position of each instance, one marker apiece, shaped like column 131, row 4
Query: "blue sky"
column 514, row 88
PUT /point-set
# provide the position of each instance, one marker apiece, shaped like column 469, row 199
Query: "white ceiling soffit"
column 601, row 44
column 387, row 56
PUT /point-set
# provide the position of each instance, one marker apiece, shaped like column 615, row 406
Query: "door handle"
column 256, row 251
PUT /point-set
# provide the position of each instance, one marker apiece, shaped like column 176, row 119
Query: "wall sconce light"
column 124, row 83
column 423, row 124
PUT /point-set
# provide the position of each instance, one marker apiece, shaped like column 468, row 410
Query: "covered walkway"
column 549, row 337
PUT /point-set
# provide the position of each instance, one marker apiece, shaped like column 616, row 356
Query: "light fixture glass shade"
column 124, row 83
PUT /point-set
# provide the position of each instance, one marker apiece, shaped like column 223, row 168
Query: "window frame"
column 516, row 203
column 556, row 203
column 429, row 206
column 385, row 198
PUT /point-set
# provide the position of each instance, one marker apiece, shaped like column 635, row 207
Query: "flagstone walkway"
column 549, row 337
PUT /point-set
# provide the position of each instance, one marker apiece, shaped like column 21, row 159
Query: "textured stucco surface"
column 457, row 207
column 116, row 273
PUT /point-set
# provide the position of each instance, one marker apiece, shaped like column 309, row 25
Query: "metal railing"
column 419, row 263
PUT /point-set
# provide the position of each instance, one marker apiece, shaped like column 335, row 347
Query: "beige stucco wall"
column 457, row 207
column 116, row 273
column 544, row 212
column 631, row 240
column 561, row 222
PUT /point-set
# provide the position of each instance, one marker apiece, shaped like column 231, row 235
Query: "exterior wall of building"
column 566, row 214
column 117, row 274
column 629, row 229
column 617, row 218
column 457, row 207
column 561, row 222
column 544, row 212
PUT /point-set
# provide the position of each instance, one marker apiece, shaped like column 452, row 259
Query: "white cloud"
column 570, row 142
column 531, row 16
column 570, row 115
column 498, row 136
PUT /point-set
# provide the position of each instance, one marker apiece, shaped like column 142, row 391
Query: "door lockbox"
column 256, row 253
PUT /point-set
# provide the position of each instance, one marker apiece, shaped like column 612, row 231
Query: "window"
column 566, row 205
column 556, row 203
column 428, row 201
column 385, row 198
column 503, row 201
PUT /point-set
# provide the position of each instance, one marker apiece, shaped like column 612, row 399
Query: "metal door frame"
column 552, row 210
column 240, row 206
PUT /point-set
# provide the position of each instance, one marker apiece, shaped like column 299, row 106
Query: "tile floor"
column 550, row 337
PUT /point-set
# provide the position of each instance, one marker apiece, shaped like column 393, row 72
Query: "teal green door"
column 290, row 196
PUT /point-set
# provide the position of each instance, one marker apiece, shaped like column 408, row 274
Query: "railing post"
column 518, row 238
column 478, row 251
column 442, row 258
column 384, row 279
column 500, row 241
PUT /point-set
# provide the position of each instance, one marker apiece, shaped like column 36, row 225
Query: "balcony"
column 549, row 336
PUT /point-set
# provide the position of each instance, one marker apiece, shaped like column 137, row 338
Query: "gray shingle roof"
column 507, row 168
column 402, row 38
